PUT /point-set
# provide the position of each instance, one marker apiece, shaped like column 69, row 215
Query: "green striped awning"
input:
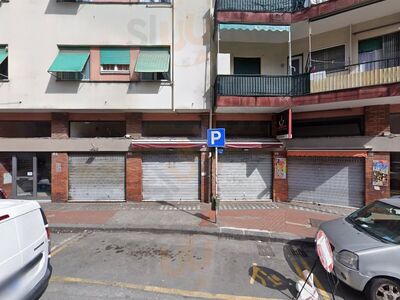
column 70, row 61
column 115, row 56
column 3, row 54
column 249, row 27
column 153, row 60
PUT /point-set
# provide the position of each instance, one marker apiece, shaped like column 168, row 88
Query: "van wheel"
column 384, row 289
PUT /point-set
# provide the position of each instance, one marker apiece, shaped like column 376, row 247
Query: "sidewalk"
column 238, row 219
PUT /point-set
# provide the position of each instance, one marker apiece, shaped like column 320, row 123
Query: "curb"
column 222, row 232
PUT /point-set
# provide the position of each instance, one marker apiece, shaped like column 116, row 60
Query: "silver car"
column 366, row 248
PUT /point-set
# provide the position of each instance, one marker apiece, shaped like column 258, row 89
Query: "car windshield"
column 379, row 220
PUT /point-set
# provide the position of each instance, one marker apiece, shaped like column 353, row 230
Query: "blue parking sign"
column 216, row 137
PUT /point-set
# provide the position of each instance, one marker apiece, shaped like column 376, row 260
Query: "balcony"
column 263, row 85
column 284, row 11
column 274, row 6
column 379, row 72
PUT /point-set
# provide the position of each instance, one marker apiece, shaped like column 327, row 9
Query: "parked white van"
column 25, row 268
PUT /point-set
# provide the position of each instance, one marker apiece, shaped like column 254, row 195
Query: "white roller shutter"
column 171, row 176
column 245, row 176
column 96, row 177
column 337, row 181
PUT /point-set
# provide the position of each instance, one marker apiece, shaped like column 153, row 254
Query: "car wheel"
column 384, row 289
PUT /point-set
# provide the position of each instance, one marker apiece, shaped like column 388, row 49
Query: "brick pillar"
column 375, row 193
column 377, row 120
column 6, row 173
column 204, row 178
column 59, row 126
column 134, row 125
column 280, row 186
column 134, row 175
column 59, row 177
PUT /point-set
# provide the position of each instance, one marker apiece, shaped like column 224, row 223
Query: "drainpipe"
column 290, row 52
column 309, row 45
column 173, row 56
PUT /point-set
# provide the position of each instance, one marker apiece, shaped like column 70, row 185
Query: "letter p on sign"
column 216, row 137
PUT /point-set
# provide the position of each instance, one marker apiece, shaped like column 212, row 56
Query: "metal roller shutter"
column 171, row 176
column 245, row 176
column 337, row 181
column 96, row 177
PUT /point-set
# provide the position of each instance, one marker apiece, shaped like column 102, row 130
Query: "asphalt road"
column 126, row 265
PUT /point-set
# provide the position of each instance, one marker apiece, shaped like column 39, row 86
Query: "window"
column 171, row 128
column 330, row 59
column 247, row 66
column 71, row 64
column 115, row 68
column 246, row 129
column 153, row 64
column 352, row 126
column 385, row 49
column 115, row 60
column 97, row 129
column 154, row 76
column 25, row 129
column 3, row 63
column 395, row 123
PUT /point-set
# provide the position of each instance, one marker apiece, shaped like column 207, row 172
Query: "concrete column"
column 280, row 186
column 134, row 177
column 373, row 193
column 60, row 126
column 59, row 177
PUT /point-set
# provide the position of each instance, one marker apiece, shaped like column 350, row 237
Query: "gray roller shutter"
column 171, row 176
column 337, row 181
column 245, row 176
column 96, row 177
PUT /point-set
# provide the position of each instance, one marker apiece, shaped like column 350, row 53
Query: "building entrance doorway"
column 31, row 173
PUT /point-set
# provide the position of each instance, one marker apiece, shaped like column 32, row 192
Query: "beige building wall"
column 33, row 29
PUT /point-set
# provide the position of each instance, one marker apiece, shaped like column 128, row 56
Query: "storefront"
column 328, row 180
column 171, row 176
column 96, row 177
column 245, row 175
column 395, row 173
column 26, row 175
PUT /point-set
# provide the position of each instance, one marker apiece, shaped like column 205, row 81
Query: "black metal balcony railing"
column 263, row 85
column 281, row 6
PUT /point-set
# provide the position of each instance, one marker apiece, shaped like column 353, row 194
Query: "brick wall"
column 371, row 193
column 134, row 175
column 59, row 126
column 377, row 120
column 280, row 186
column 59, row 177
column 6, row 173
column 134, row 125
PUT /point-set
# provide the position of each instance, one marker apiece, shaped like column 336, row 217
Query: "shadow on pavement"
column 301, row 256
column 197, row 215
column 273, row 280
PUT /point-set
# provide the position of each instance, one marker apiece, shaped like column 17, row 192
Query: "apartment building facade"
column 96, row 101
column 335, row 65
column 111, row 100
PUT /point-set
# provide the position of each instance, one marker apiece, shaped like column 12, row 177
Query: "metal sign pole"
column 216, row 184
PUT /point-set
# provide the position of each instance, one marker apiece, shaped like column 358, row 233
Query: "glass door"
column 25, row 183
